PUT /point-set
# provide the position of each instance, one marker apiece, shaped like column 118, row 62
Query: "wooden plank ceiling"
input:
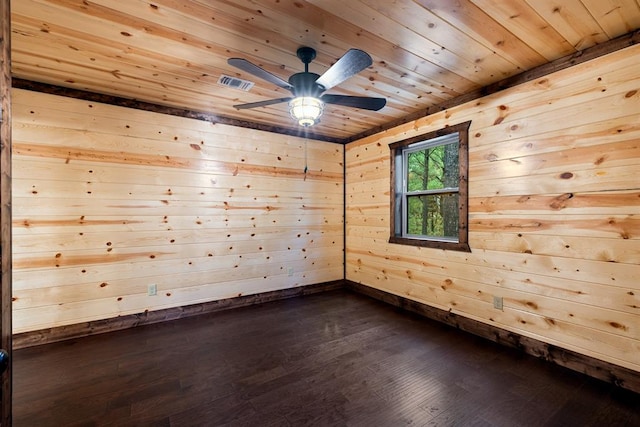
column 172, row 52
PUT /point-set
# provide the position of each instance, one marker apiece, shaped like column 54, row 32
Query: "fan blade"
column 247, row 66
column 351, row 63
column 363, row 102
column 261, row 103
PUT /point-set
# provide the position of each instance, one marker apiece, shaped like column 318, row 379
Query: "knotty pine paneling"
column 554, row 197
column 109, row 200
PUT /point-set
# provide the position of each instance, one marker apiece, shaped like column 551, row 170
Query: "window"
column 429, row 189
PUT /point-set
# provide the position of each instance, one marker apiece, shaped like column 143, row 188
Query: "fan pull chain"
column 306, row 167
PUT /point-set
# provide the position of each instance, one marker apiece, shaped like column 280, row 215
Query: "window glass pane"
column 433, row 168
column 434, row 215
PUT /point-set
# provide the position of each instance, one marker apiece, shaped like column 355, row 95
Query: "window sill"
column 435, row 244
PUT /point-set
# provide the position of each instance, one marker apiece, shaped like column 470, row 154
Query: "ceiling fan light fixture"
column 306, row 110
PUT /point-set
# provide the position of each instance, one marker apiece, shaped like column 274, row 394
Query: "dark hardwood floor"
column 334, row 359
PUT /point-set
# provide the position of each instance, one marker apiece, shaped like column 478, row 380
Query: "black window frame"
column 398, row 197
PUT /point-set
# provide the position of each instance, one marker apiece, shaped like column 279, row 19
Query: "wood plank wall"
column 6, row 342
column 109, row 200
column 554, row 212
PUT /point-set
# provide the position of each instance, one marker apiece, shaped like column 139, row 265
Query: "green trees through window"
column 432, row 191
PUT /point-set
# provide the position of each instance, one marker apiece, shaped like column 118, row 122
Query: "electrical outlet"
column 152, row 290
column 290, row 271
column 497, row 302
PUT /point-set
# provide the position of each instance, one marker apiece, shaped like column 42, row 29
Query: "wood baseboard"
column 605, row 371
column 79, row 330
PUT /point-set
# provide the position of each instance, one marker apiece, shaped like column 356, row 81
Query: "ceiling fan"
column 307, row 103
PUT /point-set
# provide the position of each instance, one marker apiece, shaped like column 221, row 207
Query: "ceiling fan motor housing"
column 304, row 84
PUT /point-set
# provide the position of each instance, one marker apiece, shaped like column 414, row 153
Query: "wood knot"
column 618, row 326
column 600, row 160
column 559, row 202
